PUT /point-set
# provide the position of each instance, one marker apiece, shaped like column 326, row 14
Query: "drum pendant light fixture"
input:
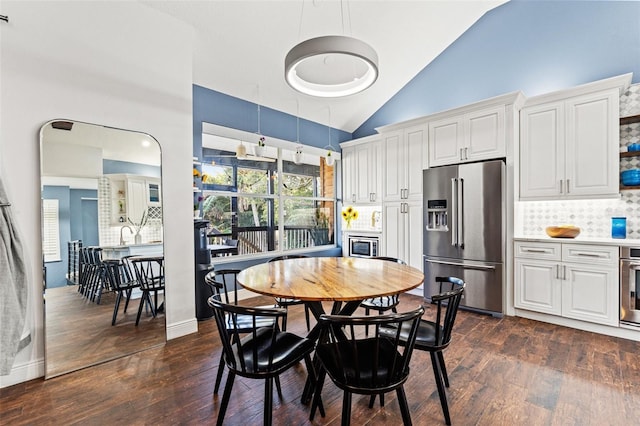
column 331, row 66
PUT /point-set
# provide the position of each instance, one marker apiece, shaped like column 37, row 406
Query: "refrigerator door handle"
column 461, row 213
column 464, row 265
column 454, row 212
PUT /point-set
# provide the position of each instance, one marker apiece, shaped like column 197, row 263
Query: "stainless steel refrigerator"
column 464, row 231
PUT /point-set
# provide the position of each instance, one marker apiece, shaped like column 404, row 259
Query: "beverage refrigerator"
column 464, row 231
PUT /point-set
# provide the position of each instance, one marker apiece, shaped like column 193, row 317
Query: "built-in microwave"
column 362, row 246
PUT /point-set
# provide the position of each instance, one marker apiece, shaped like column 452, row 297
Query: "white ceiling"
column 241, row 45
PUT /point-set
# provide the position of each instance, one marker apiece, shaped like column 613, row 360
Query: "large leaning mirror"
column 101, row 226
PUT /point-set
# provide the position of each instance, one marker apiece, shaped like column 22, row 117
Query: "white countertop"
column 124, row 246
column 620, row 242
column 362, row 231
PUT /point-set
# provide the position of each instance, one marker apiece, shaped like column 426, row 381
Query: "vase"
column 258, row 150
column 137, row 238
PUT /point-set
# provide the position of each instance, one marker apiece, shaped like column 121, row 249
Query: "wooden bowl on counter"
column 562, row 231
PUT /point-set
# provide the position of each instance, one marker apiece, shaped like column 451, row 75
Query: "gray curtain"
column 13, row 288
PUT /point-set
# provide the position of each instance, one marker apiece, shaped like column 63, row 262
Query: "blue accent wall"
column 533, row 46
column 56, row 271
column 70, row 227
column 114, row 166
column 214, row 107
column 75, row 212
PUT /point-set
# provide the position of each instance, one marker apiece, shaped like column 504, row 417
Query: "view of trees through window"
column 266, row 209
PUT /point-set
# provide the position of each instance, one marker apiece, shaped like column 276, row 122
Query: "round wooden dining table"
column 314, row 280
column 338, row 279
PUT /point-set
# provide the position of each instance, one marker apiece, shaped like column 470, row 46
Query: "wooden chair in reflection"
column 150, row 274
column 121, row 280
column 92, row 274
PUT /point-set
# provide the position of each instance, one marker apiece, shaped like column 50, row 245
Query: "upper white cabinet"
column 131, row 196
column 403, row 152
column 569, row 143
column 362, row 177
column 473, row 136
column 475, row 132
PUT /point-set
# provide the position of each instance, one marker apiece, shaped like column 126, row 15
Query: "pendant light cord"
column 300, row 26
column 297, row 121
column 348, row 18
column 259, row 110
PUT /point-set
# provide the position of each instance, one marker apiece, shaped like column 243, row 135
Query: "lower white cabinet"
column 402, row 225
column 578, row 281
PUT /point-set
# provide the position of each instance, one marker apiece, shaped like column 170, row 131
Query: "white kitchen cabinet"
column 362, row 177
column 131, row 197
column 569, row 147
column 403, row 152
column 402, row 231
column 473, row 136
column 137, row 198
column 537, row 286
column 577, row 281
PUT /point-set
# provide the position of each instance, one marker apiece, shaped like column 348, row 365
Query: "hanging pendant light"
column 331, row 66
column 258, row 150
column 241, row 151
column 329, row 159
column 297, row 156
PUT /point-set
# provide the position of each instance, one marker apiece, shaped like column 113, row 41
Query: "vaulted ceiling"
column 240, row 46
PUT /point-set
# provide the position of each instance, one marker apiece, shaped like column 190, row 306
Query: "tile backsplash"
column 592, row 216
column 108, row 234
column 369, row 219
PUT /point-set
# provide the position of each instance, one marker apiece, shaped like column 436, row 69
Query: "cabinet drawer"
column 537, row 250
column 594, row 255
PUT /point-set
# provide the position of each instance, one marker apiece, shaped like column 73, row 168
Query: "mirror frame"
column 123, row 338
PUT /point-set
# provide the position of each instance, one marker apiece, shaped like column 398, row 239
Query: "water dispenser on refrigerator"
column 437, row 215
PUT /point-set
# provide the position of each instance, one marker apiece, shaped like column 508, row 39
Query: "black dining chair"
column 382, row 304
column 150, row 274
column 224, row 283
column 435, row 336
column 365, row 365
column 285, row 302
column 122, row 281
column 263, row 353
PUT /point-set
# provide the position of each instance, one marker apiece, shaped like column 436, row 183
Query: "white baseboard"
column 182, row 328
column 23, row 372
column 624, row 332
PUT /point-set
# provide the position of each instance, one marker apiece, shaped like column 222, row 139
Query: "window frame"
column 279, row 199
column 51, row 230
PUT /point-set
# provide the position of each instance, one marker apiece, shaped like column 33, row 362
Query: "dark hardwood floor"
column 79, row 333
column 508, row 371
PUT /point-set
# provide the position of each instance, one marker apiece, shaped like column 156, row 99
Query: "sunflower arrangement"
column 349, row 214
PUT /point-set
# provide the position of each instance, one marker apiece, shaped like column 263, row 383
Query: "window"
column 50, row 231
column 265, row 204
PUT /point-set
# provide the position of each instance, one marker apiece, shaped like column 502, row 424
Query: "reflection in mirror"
column 101, row 216
column 262, row 204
